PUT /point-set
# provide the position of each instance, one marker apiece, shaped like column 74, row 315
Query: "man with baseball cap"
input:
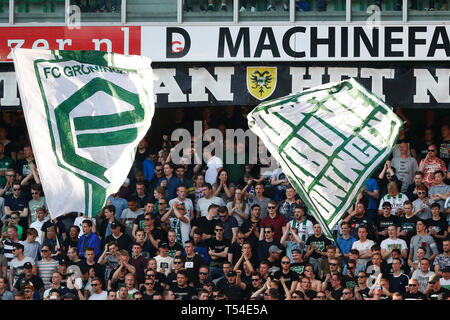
column 434, row 291
column 274, row 259
column 27, row 277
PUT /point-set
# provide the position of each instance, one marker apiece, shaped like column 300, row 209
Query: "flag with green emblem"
column 328, row 140
column 86, row 112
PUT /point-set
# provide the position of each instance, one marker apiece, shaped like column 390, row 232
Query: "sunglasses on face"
column 161, row 203
column 16, row 189
column 219, row 230
column 285, row 262
column 147, row 219
column 35, row 193
column 177, row 262
column 44, row 250
column 203, row 273
column 361, row 277
column 267, row 231
column 412, row 285
column 333, row 264
column 10, row 175
column 270, row 207
column 95, row 284
column 256, row 279
column 431, row 150
column 421, row 192
column 321, row 297
column 149, row 275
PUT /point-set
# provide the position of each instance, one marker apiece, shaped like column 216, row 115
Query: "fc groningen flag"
column 328, row 140
column 85, row 111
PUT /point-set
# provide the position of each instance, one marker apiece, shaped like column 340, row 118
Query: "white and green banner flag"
column 328, row 140
column 86, row 111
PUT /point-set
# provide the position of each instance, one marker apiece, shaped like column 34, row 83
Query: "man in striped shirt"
column 46, row 266
column 10, row 239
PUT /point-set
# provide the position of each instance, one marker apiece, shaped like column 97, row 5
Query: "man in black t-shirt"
column 290, row 277
column 181, row 289
column 412, row 291
column 316, row 247
column 384, row 221
column 434, row 291
column 218, row 250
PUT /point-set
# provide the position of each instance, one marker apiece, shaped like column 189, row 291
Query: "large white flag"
column 86, row 111
column 328, row 140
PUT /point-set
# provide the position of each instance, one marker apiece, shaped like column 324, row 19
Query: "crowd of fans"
column 214, row 230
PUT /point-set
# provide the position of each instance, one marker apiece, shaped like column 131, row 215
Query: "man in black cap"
column 27, row 277
column 123, row 240
column 62, row 269
column 231, row 287
column 434, row 291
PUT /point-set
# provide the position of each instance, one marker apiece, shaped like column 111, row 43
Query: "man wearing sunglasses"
column 412, row 291
column 430, row 165
column 7, row 190
column 17, row 202
column 274, row 219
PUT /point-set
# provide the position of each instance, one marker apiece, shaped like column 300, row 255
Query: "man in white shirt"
column 363, row 245
column 208, row 199
column 41, row 219
column 99, row 293
column 391, row 243
column 181, row 198
column 214, row 165
column 164, row 263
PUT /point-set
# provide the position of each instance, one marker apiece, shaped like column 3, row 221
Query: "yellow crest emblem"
column 261, row 81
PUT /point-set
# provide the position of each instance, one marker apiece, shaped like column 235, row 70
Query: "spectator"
column 363, row 245
column 89, row 239
column 302, row 224
column 412, row 190
column 423, row 240
column 422, row 274
column 207, row 200
column 10, row 239
column 36, row 202
column 123, row 240
column 31, row 246
column 172, row 181
column 130, row 214
column 182, row 290
column 181, row 199
column 358, row 218
column 179, row 220
column 393, row 242
column 406, row 166
column 440, row 191
column 223, row 188
column 412, row 291
column 407, row 223
column 386, row 176
column 291, row 241
column 434, row 291
column 437, row 225
column 98, row 292
column 17, row 264
column 17, row 202
column 430, row 165
column 218, row 251
column 385, row 220
column 316, row 248
column 238, row 207
column 119, row 204
column 442, row 261
column 345, row 241
column 46, row 266
column 5, row 294
column 286, row 207
column 41, row 218
column 230, row 224
column 274, row 219
column 257, row 198
column 397, row 280
column 395, row 198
